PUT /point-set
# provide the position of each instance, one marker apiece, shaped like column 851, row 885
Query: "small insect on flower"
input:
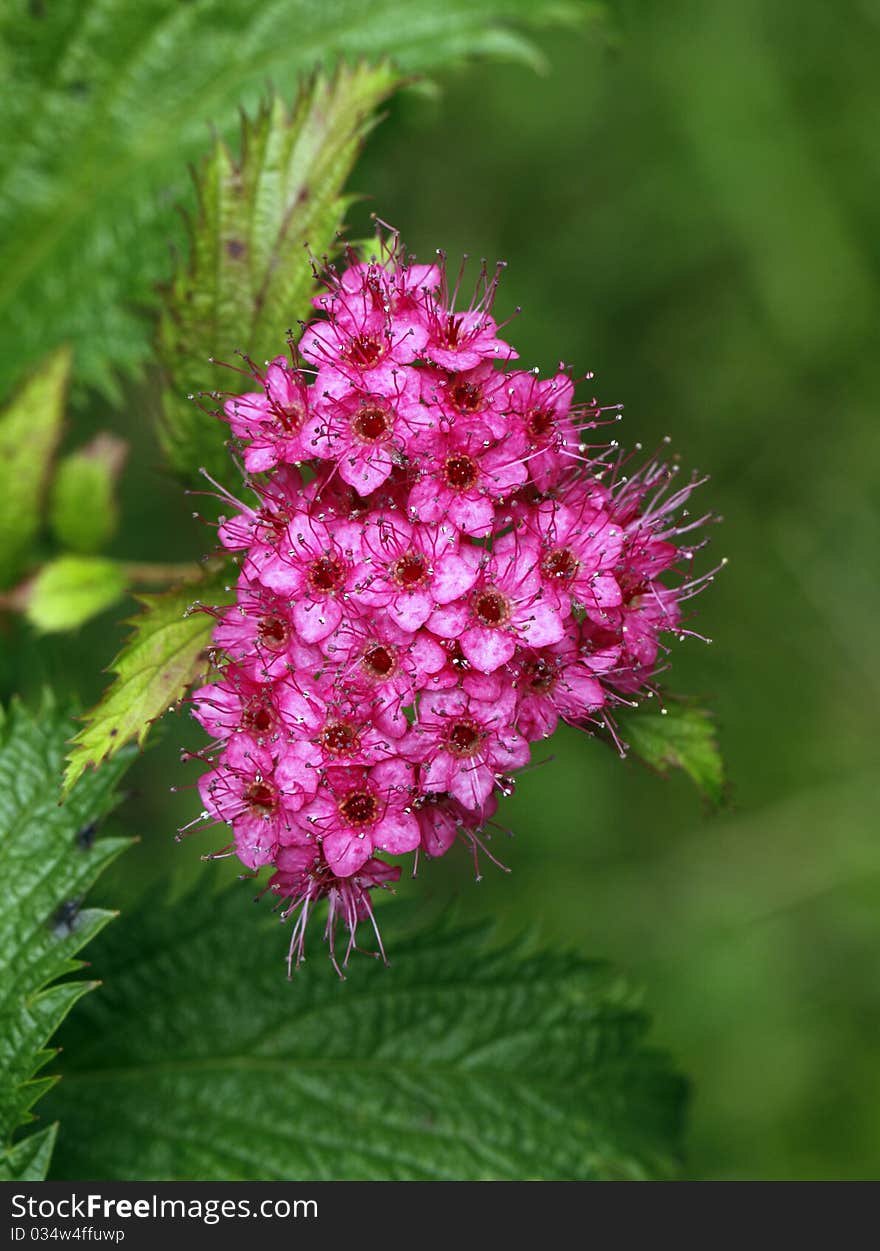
column 436, row 568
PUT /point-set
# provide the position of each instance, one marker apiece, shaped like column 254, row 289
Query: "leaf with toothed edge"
column 682, row 736
column 154, row 669
column 250, row 277
column 46, row 868
column 107, row 101
column 462, row 1060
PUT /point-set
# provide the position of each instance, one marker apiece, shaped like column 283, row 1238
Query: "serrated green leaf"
column 106, row 101
column 30, row 427
column 28, row 1160
column 46, row 867
column 200, row 1061
column 153, row 670
column 681, row 737
column 83, row 512
column 71, row 590
column 249, row 277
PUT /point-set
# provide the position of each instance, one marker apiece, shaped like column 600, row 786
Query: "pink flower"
column 463, row 473
column 408, row 570
column 557, row 681
column 461, row 339
column 580, row 546
column 541, row 408
column 367, row 433
column 479, row 394
column 376, row 661
column 359, row 811
column 237, row 703
column 245, row 791
column 507, row 607
column 271, row 422
column 462, row 745
column 257, row 632
column 314, row 566
column 326, row 728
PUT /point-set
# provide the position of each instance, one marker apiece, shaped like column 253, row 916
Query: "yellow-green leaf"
column 30, row 427
column 154, row 669
column 83, row 511
column 71, row 590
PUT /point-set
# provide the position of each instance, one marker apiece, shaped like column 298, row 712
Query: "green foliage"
column 71, row 590
column 83, row 511
column 682, row 736
column 249, row 276
column 105, row 101
column 29, row 431
column 199, row 1060
column 47, row 863
column 161, row 658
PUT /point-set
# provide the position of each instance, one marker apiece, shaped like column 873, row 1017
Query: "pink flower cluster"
column 436, row 570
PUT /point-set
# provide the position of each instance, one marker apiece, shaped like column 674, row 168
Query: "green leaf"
column 71, row 590
column 83, row 511
column 29, row 431
column 198, row 1060
column 249, row 276
column 106, row 101
column 48, row 860
column 681, row 737
column 153, row 670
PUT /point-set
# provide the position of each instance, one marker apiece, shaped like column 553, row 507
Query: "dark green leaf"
column 199, row 1060
column 48, row 860
column 681, row 737
column 105, row 102
column 163, row 655
column 29, row 431
column 249, row 276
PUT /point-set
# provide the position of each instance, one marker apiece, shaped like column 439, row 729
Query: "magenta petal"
column 397, row 832
column 412, row 611
column 486, row 649
column 315, row 619
column 346, row 851
column 472, row 784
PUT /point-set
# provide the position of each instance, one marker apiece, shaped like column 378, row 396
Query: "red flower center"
column 257, row 717
column 492, row 608
column 560, row 565
column 467, row 397
column 260, row 796
column 273, row 632
column 539, row 422
column 539, row 675
column 365, row 350
column 410, row 571
column 359, row 808
column 340, row 738
column 371, row 423
column 290, row 416
column 379, row 661
column 461, row 472
column 327, row 574
column 464, row 738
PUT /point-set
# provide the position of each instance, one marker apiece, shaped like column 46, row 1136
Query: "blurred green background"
column 687, row 203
